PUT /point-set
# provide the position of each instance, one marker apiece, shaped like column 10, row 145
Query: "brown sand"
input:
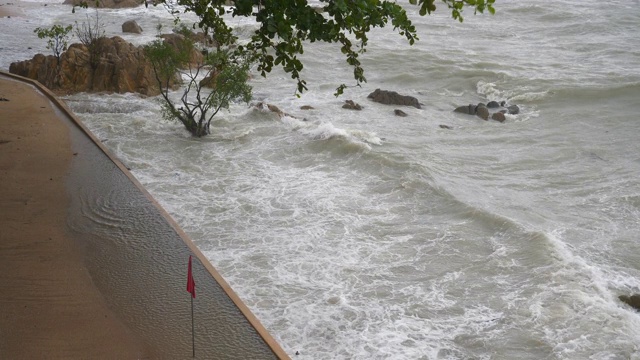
column 49, row 306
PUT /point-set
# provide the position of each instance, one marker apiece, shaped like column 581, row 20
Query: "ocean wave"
column 86, row 103
column 349, row 139
column 600, row 92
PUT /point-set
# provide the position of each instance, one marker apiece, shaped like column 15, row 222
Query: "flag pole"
column 193, row 333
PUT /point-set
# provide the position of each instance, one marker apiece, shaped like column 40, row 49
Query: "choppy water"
column 362, row 235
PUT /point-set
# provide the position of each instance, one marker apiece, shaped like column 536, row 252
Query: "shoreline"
column 93, row 293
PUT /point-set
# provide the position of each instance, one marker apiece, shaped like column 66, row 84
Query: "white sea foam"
column 436, row 243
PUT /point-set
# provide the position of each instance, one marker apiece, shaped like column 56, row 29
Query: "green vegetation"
column 223, row 72
column 286, row 24
column 57, row 38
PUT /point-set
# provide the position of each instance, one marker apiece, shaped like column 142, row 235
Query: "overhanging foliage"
column 285, row 25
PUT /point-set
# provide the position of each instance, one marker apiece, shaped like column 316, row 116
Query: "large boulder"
column 131, row 26
column 107, row 4
column 121, row 67
column 393, row 98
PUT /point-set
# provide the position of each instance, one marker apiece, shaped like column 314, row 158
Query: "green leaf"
column 286, row 25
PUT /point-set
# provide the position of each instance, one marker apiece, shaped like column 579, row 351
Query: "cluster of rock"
column 492, row 109
column 120, row 67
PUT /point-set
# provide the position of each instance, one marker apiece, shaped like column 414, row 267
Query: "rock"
column 462, row 110
column 442, row 126
column 306, row 107
column 633, row 300
column 131, row 26
column 274, row 109
column 499, row 116
column 393, row 98
column 177, row 41
column 121, row 68
column 493, row 109
column 209, row 81
column 482, row 112
column 349, row 104
column 399, row 112
column 107, row 4
column 468, row 109
column 202, row 38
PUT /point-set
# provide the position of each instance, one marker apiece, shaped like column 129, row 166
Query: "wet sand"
column 50, row 307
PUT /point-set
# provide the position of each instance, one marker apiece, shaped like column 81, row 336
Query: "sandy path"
column 49, row 305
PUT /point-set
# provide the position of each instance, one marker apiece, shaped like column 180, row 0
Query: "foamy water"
column 362, row 235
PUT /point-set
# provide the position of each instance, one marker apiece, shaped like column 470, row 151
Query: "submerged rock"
column 274, row 109
column 482, row 112
column 499, row 116
column 493, row 109
column 399, row 112
column 349, row 104
column 633, row 300
column 393, row 98
column 468, row 109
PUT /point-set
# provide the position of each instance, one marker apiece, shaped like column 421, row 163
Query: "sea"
column 365, row 235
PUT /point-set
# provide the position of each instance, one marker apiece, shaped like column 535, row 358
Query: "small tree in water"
column 224, row 72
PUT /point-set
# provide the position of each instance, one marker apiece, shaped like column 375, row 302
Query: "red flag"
column 191, row 284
